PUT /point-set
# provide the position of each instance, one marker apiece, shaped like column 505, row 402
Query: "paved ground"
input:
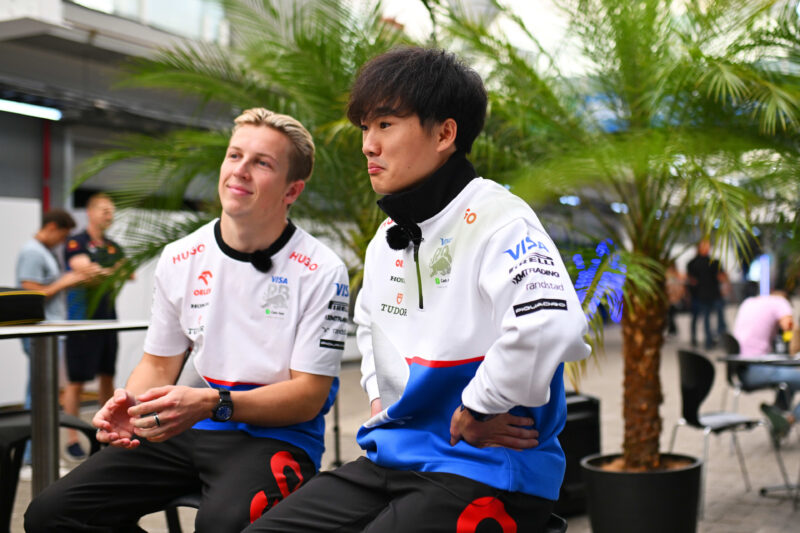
column 729, row 509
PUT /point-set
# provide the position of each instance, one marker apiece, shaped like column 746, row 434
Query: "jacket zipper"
column 416, row 263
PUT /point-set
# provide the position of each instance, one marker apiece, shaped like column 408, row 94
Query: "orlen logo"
column 200, row 248
column 204, row 276
column 304, row 260
column 523, row 247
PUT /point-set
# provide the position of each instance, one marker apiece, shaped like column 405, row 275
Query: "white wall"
column 20, row 219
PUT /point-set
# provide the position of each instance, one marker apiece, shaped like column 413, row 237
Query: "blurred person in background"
column 706, row 278
column 38, row 269
column 676, row 295
column 90, row 355
column 758, row 320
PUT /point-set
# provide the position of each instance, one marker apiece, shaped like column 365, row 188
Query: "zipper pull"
column 416, row 263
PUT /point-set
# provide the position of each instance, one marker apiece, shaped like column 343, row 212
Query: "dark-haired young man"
column 38, row 268
column 259, row 302
column 465, row 319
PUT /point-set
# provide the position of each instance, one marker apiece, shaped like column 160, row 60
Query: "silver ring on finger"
column 158, row 422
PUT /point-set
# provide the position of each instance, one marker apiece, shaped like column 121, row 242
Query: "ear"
column 293, row 190
column 446, row 135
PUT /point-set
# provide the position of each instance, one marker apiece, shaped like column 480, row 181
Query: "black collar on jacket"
column 261, row 259
column 410, row 207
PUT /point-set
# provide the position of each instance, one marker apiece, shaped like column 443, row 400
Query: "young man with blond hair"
column 257, row 300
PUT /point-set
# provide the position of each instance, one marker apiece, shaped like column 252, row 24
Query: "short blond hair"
column 301, row 159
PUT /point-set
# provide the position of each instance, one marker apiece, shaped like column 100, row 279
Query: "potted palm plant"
column 676, row 128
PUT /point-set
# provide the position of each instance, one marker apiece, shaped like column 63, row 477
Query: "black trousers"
column 240, row 477
column 362, row 496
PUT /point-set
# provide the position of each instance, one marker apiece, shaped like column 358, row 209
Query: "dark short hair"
column 59, row 217
column 433, row 84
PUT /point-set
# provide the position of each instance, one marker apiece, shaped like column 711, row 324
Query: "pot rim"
column 586, row 464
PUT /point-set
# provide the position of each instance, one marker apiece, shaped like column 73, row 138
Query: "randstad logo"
column 523, row 246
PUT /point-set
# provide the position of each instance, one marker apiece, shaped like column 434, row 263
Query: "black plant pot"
column 634, row 502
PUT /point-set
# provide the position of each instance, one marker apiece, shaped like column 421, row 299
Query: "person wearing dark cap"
column 465, row 319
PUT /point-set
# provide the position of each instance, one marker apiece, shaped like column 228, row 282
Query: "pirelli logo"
column 539, row 305
column 338, row 306
column 327, row 343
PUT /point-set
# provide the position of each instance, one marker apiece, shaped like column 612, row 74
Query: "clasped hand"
column 125, row 418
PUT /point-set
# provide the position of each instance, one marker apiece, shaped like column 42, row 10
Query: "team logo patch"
column 304, row 260
column 522, row 248
column 186, row 254
column 335, row 305
column 342, row 289
column 399, row 298
column 275, row 300
column 394, row 310
column 539, row 305
column 72, row 245
column 328, row 343
column 441, row 263
column 204, row 276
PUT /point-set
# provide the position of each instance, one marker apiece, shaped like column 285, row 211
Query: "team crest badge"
column 441, row 263
column 275, row 300
column 399, row 298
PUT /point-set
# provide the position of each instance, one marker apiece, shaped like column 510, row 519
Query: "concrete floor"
column 729, row 509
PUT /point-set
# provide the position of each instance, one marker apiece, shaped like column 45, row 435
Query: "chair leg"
column 740, row 456
column 173, row 522
column 776, row 449
column 10, row 463
column 703, row 474
column 675, row 433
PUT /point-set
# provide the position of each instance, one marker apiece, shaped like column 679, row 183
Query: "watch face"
column 224, row 413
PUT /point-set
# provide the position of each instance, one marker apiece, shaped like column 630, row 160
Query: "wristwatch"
column 224, row 409
column 480, row 417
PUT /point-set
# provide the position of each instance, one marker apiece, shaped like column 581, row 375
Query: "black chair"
column 697, row 378
column 171, row 510
column 555, row 524
column 15, row 431
column 733, row 373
